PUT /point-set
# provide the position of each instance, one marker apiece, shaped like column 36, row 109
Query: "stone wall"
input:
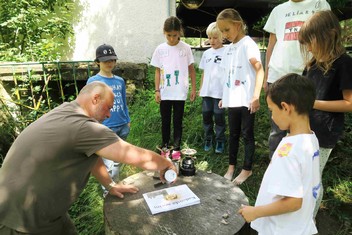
column 12, row 75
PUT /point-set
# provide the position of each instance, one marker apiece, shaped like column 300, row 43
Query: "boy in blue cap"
column 119, row 121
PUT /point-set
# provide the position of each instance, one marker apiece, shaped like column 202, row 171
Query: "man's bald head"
column 95, row 88
column 96, row 99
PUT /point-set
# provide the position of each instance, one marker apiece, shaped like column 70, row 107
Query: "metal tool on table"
column 187, row 166
column 170, row 175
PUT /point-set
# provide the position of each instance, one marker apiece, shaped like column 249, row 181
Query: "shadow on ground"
column 326, row 226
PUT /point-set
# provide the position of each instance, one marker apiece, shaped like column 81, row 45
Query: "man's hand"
column 119, row 189
column 162, row 173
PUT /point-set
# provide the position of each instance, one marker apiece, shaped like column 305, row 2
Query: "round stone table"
column 218, row 197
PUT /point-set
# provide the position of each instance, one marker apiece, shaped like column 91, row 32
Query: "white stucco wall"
column 132, row 27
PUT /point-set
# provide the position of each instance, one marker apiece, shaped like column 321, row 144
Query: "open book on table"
column 170, row 199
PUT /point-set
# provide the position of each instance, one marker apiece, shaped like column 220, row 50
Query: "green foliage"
column 346, row 26
column 7, row 130
column 87, row 211
column 33, row 30
column 194, row 42
column 338, row 3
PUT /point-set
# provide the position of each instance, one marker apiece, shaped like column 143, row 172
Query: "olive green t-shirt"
column 48, row 166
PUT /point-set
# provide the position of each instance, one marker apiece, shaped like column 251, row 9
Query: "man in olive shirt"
column 50, row 162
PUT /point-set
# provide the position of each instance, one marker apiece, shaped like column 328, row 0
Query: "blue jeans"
column 241, row 121
column 210, row 108
column 113, row 167
column 121, row 131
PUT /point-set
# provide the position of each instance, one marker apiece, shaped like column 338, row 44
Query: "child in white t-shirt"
column 292, row 181
column 244, row 76
column 211, row 91
column 283, row 52
column 173, row 61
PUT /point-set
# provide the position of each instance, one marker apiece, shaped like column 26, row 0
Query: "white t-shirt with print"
column 285, row 21
column 239, row 74
column 292, row 172
column 173, row 62
column 213, row 77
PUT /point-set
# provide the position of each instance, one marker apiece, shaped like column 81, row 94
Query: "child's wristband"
column 157, row 90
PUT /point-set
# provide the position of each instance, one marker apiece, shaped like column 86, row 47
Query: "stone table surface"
column 218, row 196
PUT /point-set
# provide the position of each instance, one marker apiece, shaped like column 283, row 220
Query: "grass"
column 146, row 133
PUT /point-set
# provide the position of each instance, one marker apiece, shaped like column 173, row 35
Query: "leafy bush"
column 34, row 30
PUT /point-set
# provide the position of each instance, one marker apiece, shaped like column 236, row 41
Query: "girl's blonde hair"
column 231, row 14
column 322, row 33
column 213, row 30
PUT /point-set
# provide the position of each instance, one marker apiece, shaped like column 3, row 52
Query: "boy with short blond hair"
column 292, row 181
column 211, row 91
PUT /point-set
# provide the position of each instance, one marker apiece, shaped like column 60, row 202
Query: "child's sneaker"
column 219, row 147
column 208, row 145
column 164, row 152
column 176, row 155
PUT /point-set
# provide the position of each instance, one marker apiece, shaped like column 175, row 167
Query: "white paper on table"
column 159, row 201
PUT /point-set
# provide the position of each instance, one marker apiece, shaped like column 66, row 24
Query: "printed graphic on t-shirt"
column 231, row 50
column 316, row 188
column 316, row 154
column 162, row 75
column 176, row 73
column 163, row 53
column 169, row 78
column 292, row 30
column 118, row 101
column 284, row 150
column 183, row 53
column 217, row 59
column 236, row 81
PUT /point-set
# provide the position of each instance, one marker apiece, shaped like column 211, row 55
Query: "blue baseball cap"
column 105, row 53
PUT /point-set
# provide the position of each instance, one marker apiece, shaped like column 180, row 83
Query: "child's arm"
column 344, row 105
column 259, row 76
column 282, row 206
column 201, row 82
column 192, row 74
column 157, row 85
column 269, row 52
